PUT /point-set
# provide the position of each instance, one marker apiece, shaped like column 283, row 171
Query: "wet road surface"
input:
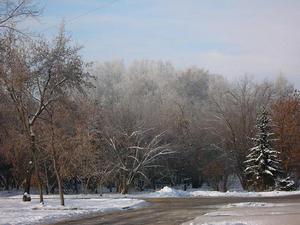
column 171, row 211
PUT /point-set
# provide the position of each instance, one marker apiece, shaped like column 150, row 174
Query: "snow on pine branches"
column 263, row 167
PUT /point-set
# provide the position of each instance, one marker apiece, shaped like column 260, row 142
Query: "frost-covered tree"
column 36, row 75
column 262, row 164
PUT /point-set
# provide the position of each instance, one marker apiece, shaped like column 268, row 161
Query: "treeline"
column 70, row 126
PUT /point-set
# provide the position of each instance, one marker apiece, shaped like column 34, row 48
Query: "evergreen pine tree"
column 285, row 184
column 262, row 164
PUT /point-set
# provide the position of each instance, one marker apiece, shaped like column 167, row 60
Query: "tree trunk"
column 243, row 181
column 27, row 183
column 124, row 186
column 59, row 183
column 56, row 168
column 119, row 186
column 154, row 184
column 195, row 181
column 47, row 180
column 60, row 190
column 87, row 185
column 125, row 189
column 224, row 183
column 35, row 163
column 75, row 185
column 7, row 181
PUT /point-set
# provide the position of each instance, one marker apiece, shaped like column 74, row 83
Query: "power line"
column 110, row 3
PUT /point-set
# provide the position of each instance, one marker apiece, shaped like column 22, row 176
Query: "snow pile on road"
column 14, row 211
column 168, row 192
column 255, row 204
column 249, row 204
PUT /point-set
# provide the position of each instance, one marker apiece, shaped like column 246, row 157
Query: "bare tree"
column 37, row 77
column 133, row 154
column 234, row 110
column 14, row 11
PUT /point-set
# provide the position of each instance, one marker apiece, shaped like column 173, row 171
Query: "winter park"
column 141, row 112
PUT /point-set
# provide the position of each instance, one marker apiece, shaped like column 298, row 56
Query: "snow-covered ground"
column 251, row 213
column 168, row 192
column 14, row 211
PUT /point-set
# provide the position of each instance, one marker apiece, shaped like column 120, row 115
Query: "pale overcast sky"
column 229, row 37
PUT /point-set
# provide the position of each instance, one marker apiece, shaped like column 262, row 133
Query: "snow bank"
column 14, row 211
column 168, row 192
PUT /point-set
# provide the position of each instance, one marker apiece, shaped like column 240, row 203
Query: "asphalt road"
column 171, row 211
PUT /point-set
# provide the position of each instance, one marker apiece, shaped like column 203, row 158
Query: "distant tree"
column 286, row 117
column 233, row 114
column 192, row 85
